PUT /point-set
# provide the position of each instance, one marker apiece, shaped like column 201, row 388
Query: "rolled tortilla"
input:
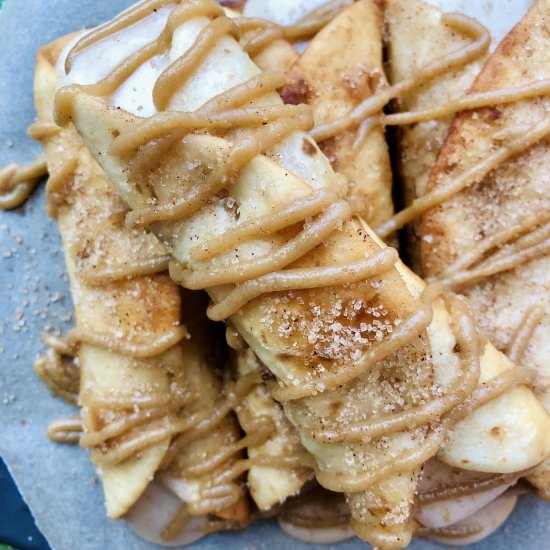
column 270, row 483
column 516, row 191
column 141, row 309
column 341, row 67
column 417, row 35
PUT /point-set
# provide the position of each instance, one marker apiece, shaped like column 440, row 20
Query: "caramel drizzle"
column 524, row 332
column 121, row 426
column 143, row 266
column 127, row 18
column 266, row 32
column 468, row 488
column 40, row 130
column 276, row 126
column 17, row 183
column 534, row 243
column 374, row 104
column 138, row 350
column 58, row 371
column 478, row 100
column 503, row 96
column 56, row 184
column 66, row 430
column 474, row 174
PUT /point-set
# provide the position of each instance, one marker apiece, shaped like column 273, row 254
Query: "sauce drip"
column 17, row 183
column 266, row 32
column 58, row 370
column 66, row 430
column 143, row 266
column 139, row 350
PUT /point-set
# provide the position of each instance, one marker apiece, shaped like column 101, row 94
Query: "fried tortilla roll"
column 150, row 400
column 372, row 368
column 491, row 240
column 340, row 68
column 417, row 35
column 279, row 464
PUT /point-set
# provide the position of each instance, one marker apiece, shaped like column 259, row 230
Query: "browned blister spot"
column 296, row 91
column 308, row 148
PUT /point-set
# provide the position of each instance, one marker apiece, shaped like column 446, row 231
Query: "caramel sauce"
column 144, row 266
column 17, row 183
column 139, row 350
column 534, row 242
column 524, row 332
column 57, row 371
column 266, row 32
column 66, row 430
column 472, row 175
column 374, row 104
column 468, row 488
column 40, row 130
column 55, row 187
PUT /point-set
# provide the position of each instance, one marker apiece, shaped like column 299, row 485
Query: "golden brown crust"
column 417, row 35
column 517, row 189
column 470, row 137
column 142, row 308
column 335, row 79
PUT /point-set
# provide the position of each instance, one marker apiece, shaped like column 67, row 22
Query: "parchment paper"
column 58, row 482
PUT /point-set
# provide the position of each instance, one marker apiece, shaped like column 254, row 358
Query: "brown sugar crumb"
column 334, row 330
column 329, row 148
column 295, row 91
column 354, row 82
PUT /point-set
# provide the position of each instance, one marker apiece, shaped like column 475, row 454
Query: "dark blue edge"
column 17, row 526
